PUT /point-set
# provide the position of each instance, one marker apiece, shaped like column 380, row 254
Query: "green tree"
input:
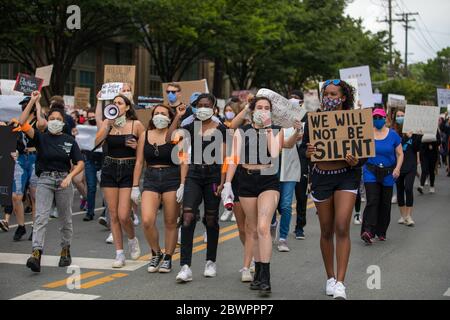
column 414, row 91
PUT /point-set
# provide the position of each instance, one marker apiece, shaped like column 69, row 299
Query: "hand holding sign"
column 27, row 84
column 110, row 90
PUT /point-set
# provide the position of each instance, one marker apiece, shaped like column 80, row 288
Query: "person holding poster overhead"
column 120, row 137
column 259, row 184
column 405, row 182
column 56, row 153
column 334, row 185
column 380, row 173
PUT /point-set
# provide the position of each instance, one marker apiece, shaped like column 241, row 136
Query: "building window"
column 71, row 82
column 87, row 80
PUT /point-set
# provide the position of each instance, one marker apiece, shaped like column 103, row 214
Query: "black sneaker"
column 30, row 238
column 155, row 262
column 166, row 265
column 65, row 260
column 34, row 262
column 420, row 189
column 88, row 217
column 20, row 232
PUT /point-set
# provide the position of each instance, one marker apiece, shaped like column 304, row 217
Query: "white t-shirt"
column 290, row 162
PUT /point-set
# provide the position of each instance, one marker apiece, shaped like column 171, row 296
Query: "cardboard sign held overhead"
column 362, row 75
column 144, row 116
column 120, row 73
column 7, row 88
column 338, row 133
column 45, row 73
column 82, row 96
column 110, row 90
column 283, row 112
column 27, row 84
column 187, row 89
column 396, row 101
column 421, row 119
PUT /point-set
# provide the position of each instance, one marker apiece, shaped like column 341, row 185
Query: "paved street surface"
column 414, row 263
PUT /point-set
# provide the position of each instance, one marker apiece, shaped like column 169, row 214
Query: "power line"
column 406, row 19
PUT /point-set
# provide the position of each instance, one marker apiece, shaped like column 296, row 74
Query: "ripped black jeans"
column 201, row 183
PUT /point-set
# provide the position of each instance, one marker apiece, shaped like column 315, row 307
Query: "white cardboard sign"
column 45, row 73
column 443, row 97
column 362, row 74
column 7, row 88
column 9, row 107
column 421, row 119
column 110, row 90
column 86, row 137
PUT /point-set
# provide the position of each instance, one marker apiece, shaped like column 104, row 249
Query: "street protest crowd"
column 249, row 157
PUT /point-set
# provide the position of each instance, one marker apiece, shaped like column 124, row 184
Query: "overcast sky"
column 432, row 26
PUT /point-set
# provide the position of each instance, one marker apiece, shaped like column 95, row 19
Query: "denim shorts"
column 252, row 183
column 24, row 173
column 325, row 182
column 161, row 180
column 117, row 173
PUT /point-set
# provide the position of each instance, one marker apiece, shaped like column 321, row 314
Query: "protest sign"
column 241, row 94
column 362, row 75
column 110, row 90
column 338, row 133
column 10, row 108
column 187, row 89
column 283, row 112
column 396, row 101
column 8, row 145
column 27, row 84
column 148, row 102
column 378, row 98
column 354, row 84
column 144, row 116
column 443, row 96
column 120, row 73
column 7, row 88
column 86, row 137
column 82, row 96
column 45, row 73
column 421, row 119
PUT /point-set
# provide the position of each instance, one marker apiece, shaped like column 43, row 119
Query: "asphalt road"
column 414, row 263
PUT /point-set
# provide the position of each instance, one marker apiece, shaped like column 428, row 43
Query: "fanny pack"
column 380, row 172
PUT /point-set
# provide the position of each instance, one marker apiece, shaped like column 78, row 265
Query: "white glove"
column 136, row 195
column 227, row 192
column 180, row 192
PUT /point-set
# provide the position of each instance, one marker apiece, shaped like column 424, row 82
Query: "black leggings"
column 405, row 184
column 377, row 213
column 302, row 199
column 358, row 202
column 200, row 186
column 428, row 164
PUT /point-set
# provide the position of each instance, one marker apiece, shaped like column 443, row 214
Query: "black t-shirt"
column 410, row 148
column 206, row 141
column 69, row 124
column 55, row 152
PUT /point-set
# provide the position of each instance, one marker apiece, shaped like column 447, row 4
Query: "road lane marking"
column 103, row 280
column 61, row 283
column 54, row 295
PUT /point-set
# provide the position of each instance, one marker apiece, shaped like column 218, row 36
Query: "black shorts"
column 235, row 185
column 325, row 182
column 117, row 173
column 161, row 180
column 252, row 183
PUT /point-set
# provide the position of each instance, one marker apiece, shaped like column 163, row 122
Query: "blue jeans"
column 24, row 173
column 91, row 166
column 285, row 207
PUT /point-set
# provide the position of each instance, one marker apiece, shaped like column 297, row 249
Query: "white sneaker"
column 331, row 284
column 246, row 275
column 119, row 262
column 339, row 291
column 210, row 269
column 409, row 221
column 110, row 239
column 226, row 215
column 357, row 219
column 401, row 220
column 233, row 218
column 363, row 199
column 205, row 237
column 135, row 250
column 394, row 199
column 135, row 220
column 282, row 246
column 179, row 236
column 432, row 190
column 185, row 274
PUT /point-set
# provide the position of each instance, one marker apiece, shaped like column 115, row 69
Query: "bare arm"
column 99, row 112
column 41, row 121
column 240, row 118
column 139, row 160
column 26, row 112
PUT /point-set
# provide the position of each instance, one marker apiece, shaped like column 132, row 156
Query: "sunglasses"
column 335, row 82
column 171, row 91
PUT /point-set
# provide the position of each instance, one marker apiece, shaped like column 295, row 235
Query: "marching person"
column 163, row 183
column 429, row 155
column 405, row 182
column 380, row 173
column 56, row 152
column 120, row 138
column 259, row 185
column 334, row 185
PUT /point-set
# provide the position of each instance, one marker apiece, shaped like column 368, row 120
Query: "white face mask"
column 121, row 121
column 262, row 118
column 161, row 121
column 204, row 113
column 55, row 126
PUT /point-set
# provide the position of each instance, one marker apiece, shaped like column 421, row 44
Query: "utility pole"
column 406, row 19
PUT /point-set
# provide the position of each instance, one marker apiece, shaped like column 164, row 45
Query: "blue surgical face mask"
column 399, row 120
column 172, row 97
column 194, row 109
column 379, row 123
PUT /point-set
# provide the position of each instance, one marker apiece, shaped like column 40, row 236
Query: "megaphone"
column 111, row 112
